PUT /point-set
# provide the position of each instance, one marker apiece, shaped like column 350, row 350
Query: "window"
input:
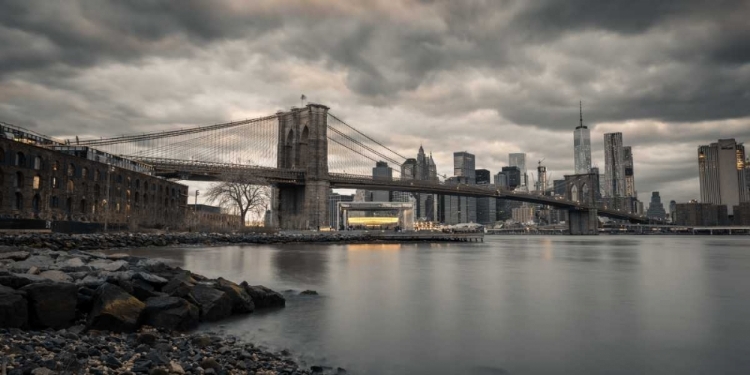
column 20, row 159
column 129, row 183
column 117, row 207
column 54, row 202
column 55, row 165
column 97, row 175
column 84, row 172
column 55, row 183
column 35, row 203
column 137, row 183
column 83, row 206
column 71, row 170
column 145, row 185
column 38, row 163
column 119, row 178
column 37, row 182
column 19, row 180
column 19, row 201
column 71, row 187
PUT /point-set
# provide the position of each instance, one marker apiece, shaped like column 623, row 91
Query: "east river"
column 510, row 305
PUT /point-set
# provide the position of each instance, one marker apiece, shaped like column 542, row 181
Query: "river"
column 509, row 305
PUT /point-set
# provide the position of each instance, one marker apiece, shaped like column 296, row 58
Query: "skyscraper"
column 656, row 208
column 519, row 160
column 482, row 176
column 627, row 156
column 614, row 166
column 582, row 146
column 422, row 168
column 513, row 177
column 464, row 166
column 381, row 172
column 410, row 170
column 721, row 168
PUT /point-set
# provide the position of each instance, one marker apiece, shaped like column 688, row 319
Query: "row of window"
column 55, row 203
column 20, row 161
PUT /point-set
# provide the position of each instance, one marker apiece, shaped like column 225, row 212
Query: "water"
column 510, row 305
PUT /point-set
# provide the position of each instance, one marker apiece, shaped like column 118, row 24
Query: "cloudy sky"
column 489, row 77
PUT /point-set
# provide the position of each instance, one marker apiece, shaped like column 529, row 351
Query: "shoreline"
column 113, row 313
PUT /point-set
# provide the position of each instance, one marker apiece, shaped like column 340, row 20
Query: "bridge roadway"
column 208, row 171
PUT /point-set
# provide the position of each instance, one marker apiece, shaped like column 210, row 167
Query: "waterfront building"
column 656, row 208
column 205, row 218
column 742, row 214
column 614, row 167
column 627, row 153
column 722, row 175
column 519, row 160
column 48, row 181
column 700, row 214
column 524, row 214
column 454, row 209
column 486, row 210
column 582, row 146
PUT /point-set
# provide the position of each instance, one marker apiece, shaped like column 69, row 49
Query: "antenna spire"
column 580, row 103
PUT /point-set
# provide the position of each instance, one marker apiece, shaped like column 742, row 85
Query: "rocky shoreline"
column 59, row 241
column 61, row 310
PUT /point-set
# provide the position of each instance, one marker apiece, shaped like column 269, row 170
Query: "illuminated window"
column 37, row 182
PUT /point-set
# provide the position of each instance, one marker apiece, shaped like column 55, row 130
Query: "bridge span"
column 305, row 152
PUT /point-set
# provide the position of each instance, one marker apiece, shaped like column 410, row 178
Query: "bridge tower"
column 302, row 145
column 583, row 188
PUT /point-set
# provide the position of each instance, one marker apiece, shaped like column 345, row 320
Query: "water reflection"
column 514, row 304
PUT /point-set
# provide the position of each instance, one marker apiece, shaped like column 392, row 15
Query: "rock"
column 111, row 362
column 210, row 363
column 19, row 280
column 263, row 297
column 118, row 256
column 15, row 255
column 57, row 276
column 51, row 305
column 151, row 279
column 105, row 265
column 42, row 371
column 73, row 265
column 152, row 264
column 175, row 368
column 214, row 304
column 141, row 366
column 180, row 285
column 114, row 310
column 157, row 358
column 39, row 261
column 159, row 371
column 91, row 281
column 309, row 293
column 316, row 369
column 34, row 270
column 201, row 341
column 147, row 338
column 171, row 313
column 13, row 308
column 241, row 301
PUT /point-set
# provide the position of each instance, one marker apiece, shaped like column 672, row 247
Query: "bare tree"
column 241, row 194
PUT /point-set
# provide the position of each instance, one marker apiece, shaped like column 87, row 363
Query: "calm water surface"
column 510, row 305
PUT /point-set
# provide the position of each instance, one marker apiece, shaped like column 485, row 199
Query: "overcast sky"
column 488, row 77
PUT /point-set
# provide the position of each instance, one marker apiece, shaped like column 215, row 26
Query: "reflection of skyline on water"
column 520, row 304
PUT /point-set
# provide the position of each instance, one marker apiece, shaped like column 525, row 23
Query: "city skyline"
column 404, row 78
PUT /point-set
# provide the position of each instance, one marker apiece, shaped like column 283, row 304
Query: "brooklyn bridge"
column 305, row 152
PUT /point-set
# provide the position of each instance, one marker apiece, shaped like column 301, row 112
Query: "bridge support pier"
column 583, row 222
column 301, row 207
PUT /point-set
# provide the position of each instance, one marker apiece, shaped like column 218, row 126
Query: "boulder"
column 19, row 280
column 106, row 265
column 41, row 262
column 138, row 288
column 241, row 301
column 171, row 313
column 180, row 285
column 57, row 276
column 151, row 279
column 214, row 304
column 51, row 304
column 114, row 310
column 91, row 281
column 153, row 264
column 15, row 255
column 13, row 308
column 263, row 297
column 72, row 265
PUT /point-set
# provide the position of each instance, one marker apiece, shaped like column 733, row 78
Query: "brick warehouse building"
column 43, row 179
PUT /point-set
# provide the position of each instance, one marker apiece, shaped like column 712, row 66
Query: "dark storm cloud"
column 502, row 76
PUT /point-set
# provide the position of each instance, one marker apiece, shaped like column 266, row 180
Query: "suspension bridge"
column 302, row 154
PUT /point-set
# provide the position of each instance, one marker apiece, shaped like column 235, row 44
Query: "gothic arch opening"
column 303, row 147
column 585, row 192
column 289, row 150
column 574, row 193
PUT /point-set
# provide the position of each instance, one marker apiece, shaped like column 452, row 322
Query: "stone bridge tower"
column 302, row 145
column 583, row 188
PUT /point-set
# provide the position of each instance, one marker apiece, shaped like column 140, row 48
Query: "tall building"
column 721, row 168
column 614, row 166
column 513, row 177
column 519, row 160
column 454, row 209
column 655, row 208
column 541, row 179
column 501, row 180
column 559, row 187
column 482, row 177
column 381, row 172
column 672, row 208
column 582, row 146
column 627, row 159
column 410, row 170
column 464, row 166
column 700, row 214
